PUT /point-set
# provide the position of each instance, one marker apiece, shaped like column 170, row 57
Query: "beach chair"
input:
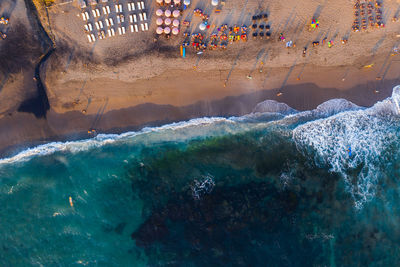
column 119, row 31
column 139, row 7
column 146, row 26
column 132, row 28
column 84, row 17
column 104, row 10
column 93, row 37
column 133, row 6
column 130, row 18
column 140, row 17
column 89, row 38
column 144, row 15
column 118, row 20
column 90, row 27
column 107, row 23
column 94, row 13
column 123, row 30
column 142, row 27
column 109, row 33
column 97, row 25
column 97, row 12
column 129, row 7
column 101, row 24
column 86, row 27
column 116, row 8
column 142, row 4
column 134, row 18
column 120, row 7
column 108, row 9
column 122, row 18
column 111, row 21
column 87, row 15
column 136, row 28
column 113, row 32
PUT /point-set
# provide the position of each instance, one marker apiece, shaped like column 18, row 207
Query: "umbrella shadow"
column 288, row 75
column 233, row 66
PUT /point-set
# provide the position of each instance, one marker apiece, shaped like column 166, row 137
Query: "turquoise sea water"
column 282, row 188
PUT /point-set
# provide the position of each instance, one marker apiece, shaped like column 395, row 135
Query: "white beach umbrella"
column 159, row 30
column 159, row 12
column 167, row 2
column 214, row 2
column 202, row 26
column 159, row 21
column 176, row 2
column 175, row 23
column 159, row 2
column 175, row 31
column 167, row 30
column 186, row 2
column 167, row 13
column 176, row 13
column 167, row 21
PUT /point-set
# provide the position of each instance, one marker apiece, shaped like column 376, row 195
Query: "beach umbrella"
column 176, row 13
column 167, row 13
column 175, row 31
column 159, row 12
column 167, row 21
column 186, row 2
column 177, row 2
column 159, row 21
column 167, row 2
column 167, row 30
column 214, row 2
column 175, row 23
column 314, row 23
column 202, row 26
column 159, row 2
column 159, row 30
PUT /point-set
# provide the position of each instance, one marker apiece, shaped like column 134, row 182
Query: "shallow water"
column 315, row 188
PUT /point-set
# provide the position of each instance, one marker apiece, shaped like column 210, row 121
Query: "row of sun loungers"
column 111, row 32
column 118, row 9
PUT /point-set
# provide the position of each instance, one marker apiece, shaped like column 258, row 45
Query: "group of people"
column 367, row 14
column 3, row 21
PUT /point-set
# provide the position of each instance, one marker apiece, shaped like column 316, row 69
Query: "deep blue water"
column 281, row 188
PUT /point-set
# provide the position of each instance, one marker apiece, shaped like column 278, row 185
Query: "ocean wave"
column 272, row 106
column 354, row 144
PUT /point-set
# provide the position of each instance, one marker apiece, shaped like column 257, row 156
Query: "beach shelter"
column 159, row 2
column 175, row 31
column 159, row 30
column 167, row 13
column 214, row 2
column 202, row 26
column 175, row 23
column 176, row 13
column 314, row 23
column 159, row 21
column 167, row 2
column 177, row 2
column 167, row 21
column 167, row 30
column 159, row 12
column 186, row 2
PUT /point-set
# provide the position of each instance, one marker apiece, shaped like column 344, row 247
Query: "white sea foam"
column 273, row 106
column 103, row 139
column 367, row 133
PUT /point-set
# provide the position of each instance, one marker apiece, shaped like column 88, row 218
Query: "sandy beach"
column 127, row 82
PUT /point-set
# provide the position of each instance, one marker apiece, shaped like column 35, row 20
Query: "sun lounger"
column 142, row 4
column 134, row 18
column 133, row 6
column 118, row 20
column 89, row 38
column 132, row 28
column 87, row 15
column 122, row 18
column 129, row 7
column 144, row 15
column 86, row 27
column 90, row 26
column 94, row 13
column 93, row 37
column 97, row 25
column 130, row 19
column 142, row 27
column 109, row 33
column 146, row 26
column 97, row 12
column 104, row 10
column 101, row 24
column 136, row 28
column 140, row 17
column 84, row 17
column 108, row 9
column 139, row 6
column 123, row 30
column 119, row 31
column 107, row 23
column 120, row 8
column 111, row 21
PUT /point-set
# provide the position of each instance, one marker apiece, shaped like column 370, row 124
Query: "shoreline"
column 23, row 130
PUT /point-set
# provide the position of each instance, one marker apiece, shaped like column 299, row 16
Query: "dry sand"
column 126, row 82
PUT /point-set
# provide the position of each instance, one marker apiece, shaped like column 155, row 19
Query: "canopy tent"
column 159, row 30
column 167, row 13
column 175, row 23
column 202, row 26
column 167, row 21
column 159, row 12
column 159, row 21
column 176, row 13
column 167, row 30
column 175, row 31
column 314, row 23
